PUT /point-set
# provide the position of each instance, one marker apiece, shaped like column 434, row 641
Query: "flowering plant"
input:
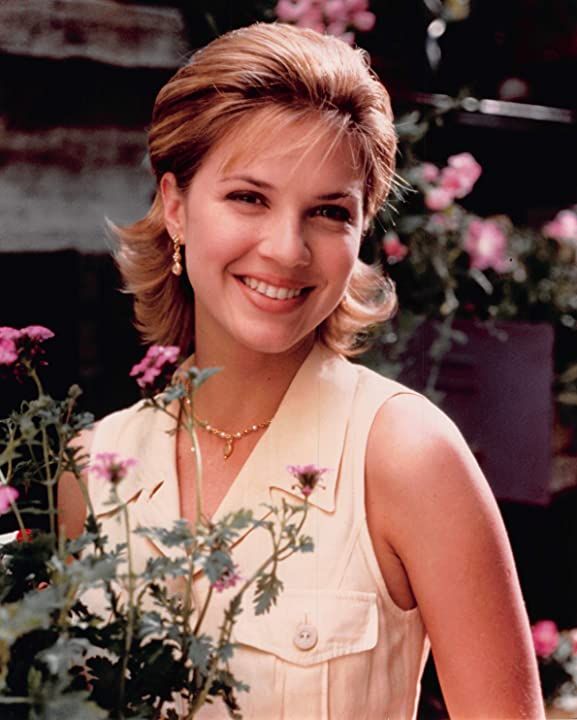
column 448, row 263
column 557, row 657
column 341, row 18
column 145, row 648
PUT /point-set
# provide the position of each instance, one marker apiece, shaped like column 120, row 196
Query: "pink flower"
column 393, row 247
column 154, row 370
column 313, row 19
column 429, row 172
column 330, row 16
column 466, row 164
column 9, row 334
column 337, row 28
column 438, row 198
column 228, row 579
column 563, row 227
column 364, row 20
column 22, row 349
column 8, row 495
column 109, row 466
column 354, row 6
column 37, row 333
column 308, row 477
column 486, row 244
column 292, row 10
column 460, row 175
column 336, row 10
column 545, row 637
column 8, row 352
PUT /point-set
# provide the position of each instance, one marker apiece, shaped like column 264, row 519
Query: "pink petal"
column 455, row 181
column 393, row 247
column 289, row 11
column 364, row 20
column 466, row 164
column 8, row 352
column 486, row 244
column 8, row 495
column 9, row 333
column 335, row 10
column 336, row 28
column 438, row 199
column 354, row 6
column 545, row 637
column 37, row 332
column 429, row 172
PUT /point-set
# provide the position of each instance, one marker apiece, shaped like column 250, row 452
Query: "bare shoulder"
column 415, row 451
column 71, row 504
column 435, row 510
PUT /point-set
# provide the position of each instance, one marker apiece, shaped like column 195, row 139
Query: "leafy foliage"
column 59, row 657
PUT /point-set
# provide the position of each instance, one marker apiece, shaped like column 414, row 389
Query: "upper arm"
column 71, row 503
column 441, row 519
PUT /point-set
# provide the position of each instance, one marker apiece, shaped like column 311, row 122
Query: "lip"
column 276, row 281
column 271, row 305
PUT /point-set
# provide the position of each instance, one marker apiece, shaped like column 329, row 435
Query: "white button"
column 306, row 636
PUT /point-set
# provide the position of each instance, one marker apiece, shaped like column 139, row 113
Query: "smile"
column 271, row 291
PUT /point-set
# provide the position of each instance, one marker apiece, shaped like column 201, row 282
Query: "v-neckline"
column 317, row 437
column 258, row 450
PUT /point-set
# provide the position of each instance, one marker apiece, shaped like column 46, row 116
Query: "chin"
column 269, row 343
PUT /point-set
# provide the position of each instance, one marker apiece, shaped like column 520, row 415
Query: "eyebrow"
column 342, row 195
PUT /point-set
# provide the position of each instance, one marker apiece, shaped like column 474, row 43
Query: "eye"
column 245, row 196
column 338, row 213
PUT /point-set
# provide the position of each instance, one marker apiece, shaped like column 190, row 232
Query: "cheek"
column 341, row 259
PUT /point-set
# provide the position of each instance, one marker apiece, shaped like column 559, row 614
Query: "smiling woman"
column 268, row 255
column 273, row 148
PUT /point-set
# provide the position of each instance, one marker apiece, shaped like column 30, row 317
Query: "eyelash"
column 336, row 213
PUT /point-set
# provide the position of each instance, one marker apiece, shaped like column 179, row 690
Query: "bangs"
column 263, row 134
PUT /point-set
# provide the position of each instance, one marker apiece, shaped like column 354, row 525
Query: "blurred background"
column 483, row 249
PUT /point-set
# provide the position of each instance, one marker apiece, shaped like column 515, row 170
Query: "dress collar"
column 309, row 427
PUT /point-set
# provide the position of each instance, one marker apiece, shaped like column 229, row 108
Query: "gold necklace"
column 230, row 438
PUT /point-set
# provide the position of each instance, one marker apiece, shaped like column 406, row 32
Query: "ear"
column 173, row 205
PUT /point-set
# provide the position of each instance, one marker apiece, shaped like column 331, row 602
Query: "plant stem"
column 130, row 620
column 45, row 451
column 228, row 625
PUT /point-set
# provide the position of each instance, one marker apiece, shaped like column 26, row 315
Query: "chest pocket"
column 286, row 655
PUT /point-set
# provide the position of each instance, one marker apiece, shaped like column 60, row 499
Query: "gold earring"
column 176, row 268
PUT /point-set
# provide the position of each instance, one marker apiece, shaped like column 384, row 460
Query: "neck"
column 250, row 386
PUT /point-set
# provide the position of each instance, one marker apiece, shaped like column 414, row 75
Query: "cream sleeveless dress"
column 335, row 645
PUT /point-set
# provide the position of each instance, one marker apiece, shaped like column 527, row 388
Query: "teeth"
column 271, row 291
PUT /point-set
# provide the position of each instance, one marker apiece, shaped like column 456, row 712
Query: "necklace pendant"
column 228, row 448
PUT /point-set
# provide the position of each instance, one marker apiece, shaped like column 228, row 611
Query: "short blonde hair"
column 282, row 74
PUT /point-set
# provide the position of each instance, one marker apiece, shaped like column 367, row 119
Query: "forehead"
column 272, row 134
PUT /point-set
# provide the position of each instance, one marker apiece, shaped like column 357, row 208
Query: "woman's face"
column 270, row 240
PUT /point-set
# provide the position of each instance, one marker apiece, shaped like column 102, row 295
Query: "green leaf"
column 180, row 535
column 216, row 564
column 200, row 651
column 226, row 651
column 150, row 624
column 268, row 588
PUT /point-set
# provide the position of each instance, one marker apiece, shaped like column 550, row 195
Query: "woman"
column 273, row 149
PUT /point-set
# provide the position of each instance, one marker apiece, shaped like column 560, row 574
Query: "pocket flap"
column 310, row 626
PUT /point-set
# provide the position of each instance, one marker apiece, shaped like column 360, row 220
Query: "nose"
column 284, row 242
